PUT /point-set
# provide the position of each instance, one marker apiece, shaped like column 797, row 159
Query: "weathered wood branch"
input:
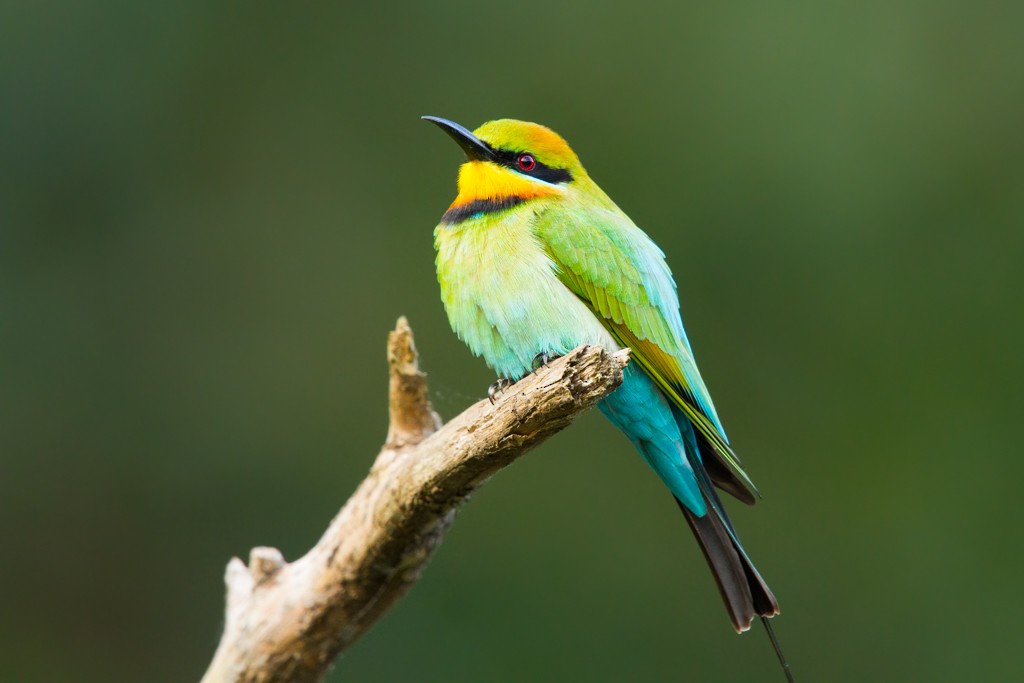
column 289, row 621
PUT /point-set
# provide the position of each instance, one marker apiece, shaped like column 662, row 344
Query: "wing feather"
column 621, row 274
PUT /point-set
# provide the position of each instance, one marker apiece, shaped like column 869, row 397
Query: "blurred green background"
column 211, row 215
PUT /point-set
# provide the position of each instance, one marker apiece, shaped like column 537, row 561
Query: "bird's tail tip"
column 783, row 662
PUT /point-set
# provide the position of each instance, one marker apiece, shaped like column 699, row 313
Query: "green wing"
column 621, row 274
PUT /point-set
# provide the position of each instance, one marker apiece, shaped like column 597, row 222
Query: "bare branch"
column 412, row 417
column 288, row 622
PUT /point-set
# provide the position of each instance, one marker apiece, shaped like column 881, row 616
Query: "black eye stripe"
column 540, row 170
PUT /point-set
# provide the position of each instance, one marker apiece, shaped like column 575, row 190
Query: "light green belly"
column 504, row 299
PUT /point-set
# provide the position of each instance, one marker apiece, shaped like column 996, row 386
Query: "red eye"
column 526, row 162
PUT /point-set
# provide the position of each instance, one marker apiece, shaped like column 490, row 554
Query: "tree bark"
column 289, row 621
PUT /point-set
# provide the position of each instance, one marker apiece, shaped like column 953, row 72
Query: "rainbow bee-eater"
column 534, row 259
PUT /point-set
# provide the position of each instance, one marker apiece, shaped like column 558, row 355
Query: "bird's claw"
column 542, row 359
column 498, row 387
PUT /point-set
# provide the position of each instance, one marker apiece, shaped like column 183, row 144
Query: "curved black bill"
column 475, row 148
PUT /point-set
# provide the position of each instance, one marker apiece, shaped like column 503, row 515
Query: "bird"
column 533, row 260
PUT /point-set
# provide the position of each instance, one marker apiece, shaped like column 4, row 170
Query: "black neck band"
column 477, row 207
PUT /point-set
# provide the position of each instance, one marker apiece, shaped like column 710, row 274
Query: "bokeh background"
column 211, row 215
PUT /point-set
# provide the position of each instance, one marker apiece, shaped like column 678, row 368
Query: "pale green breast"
column 502, row 295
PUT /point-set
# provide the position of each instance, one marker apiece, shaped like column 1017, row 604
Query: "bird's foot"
column 498, row 387
column 542, row 359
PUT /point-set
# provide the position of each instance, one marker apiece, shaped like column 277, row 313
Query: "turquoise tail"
column 668, row 443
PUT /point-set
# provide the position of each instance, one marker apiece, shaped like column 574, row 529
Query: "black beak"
column 475, row 148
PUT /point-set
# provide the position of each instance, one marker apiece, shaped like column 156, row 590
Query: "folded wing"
column 621, row 274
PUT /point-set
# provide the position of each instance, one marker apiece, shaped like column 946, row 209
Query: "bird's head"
column 509, row 162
